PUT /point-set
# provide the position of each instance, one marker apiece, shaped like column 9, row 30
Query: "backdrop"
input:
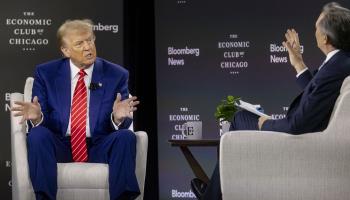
column 206, row 50
column 28, row 37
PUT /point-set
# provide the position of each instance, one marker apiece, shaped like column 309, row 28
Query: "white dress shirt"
column 74, row 74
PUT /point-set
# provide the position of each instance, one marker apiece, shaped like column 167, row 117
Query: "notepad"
column 256, row 109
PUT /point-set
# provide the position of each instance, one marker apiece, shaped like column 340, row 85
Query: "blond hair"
column 83, row 25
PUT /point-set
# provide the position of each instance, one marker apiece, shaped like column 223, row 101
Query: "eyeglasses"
column 80, row 44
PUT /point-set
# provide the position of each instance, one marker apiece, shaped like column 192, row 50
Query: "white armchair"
column 75, row 181
column 278, row 166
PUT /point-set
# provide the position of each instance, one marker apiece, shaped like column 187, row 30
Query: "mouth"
column 89, row 56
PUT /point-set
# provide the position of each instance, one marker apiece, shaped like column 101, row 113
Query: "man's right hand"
column 293, row 46
column 28, row 110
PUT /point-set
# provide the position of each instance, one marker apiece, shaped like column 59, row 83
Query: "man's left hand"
column 294, row 50
column 261, row 121
column 123, row 108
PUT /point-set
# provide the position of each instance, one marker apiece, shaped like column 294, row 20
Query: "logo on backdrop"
column 177, row 55
column 278, row 53
column 28, row 31
column 179, row 119
column 8, row 165
column 182, row 194
column 280, row 115
column 234, row 51
column 181, row 1
column 7, row 100
column 114, row 28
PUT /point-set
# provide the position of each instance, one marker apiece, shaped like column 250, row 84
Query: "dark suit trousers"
column 243, row 120
column 118, row 149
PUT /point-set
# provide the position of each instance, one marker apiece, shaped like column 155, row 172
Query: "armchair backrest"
column 340, row 118
column 274, row 165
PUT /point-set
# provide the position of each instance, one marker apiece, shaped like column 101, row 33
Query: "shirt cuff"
column 302, row 71
column 41, row 120
column 116, row 126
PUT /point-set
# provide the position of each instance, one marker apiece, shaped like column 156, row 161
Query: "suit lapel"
column 63, row 92
column 96, row 95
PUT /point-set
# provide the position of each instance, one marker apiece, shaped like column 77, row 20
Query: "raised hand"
column 123, row 109
column 293, row 46
column 28, row 110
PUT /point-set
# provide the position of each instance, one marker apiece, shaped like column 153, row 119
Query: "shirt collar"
column 74, row 70
column 331, row 54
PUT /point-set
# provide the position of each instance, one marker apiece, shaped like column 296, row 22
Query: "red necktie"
column 78, row 120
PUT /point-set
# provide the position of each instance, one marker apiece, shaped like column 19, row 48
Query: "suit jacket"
column 52, row 85
column 311, row 110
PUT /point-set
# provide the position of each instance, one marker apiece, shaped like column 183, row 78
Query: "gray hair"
column 336, row 25
column 77, row 24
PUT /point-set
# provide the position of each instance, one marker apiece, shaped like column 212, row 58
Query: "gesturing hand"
column 123, row 109
column 28, row 110
column 293, row 46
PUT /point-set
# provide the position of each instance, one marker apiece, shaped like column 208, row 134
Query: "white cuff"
column 302, row 71
column 41, row 120
column 116, row 126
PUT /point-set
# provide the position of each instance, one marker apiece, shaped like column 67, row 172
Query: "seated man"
column 311, row 110
column 80, row 113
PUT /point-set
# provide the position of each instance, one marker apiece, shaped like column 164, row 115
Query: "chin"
column 90, row 62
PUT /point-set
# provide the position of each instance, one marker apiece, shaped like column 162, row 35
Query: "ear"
column 325, row 39
column 65, row 51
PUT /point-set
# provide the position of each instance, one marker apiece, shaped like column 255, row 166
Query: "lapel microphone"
column 95, row 86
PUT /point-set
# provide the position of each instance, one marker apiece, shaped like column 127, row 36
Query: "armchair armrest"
column 15, row 125
column 20, row 175
column 273, row 165
column 141, row 159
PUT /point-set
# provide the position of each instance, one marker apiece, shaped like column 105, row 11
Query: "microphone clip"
column 95, row 86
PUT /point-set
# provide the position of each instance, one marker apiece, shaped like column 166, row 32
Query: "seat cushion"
column 82, row 175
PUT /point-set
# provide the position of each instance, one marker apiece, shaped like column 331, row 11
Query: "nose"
column 86, row 45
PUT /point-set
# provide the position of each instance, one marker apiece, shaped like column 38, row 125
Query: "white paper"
column 251, row 108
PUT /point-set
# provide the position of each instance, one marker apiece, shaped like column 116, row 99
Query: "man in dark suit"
column 311, row 110
column 80, row 113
